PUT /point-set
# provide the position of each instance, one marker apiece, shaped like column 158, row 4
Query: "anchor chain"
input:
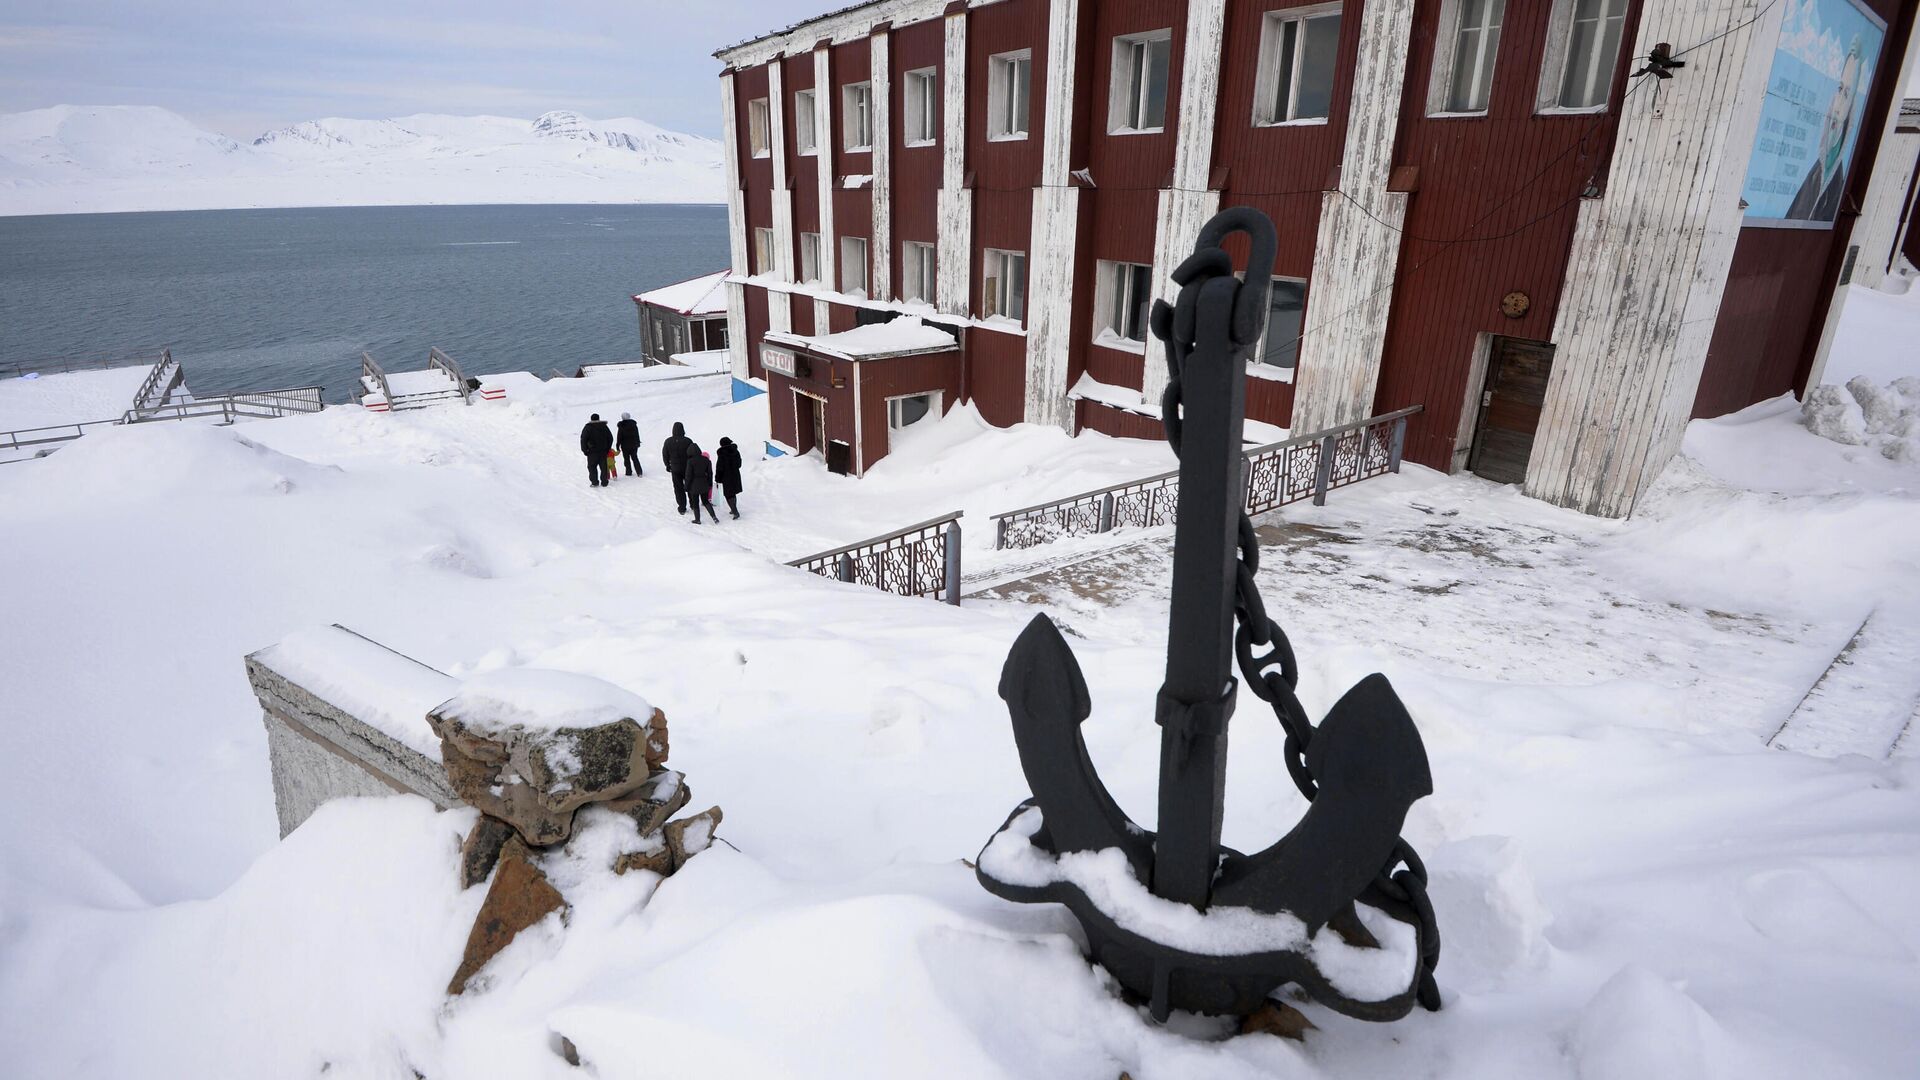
column 1274, row 675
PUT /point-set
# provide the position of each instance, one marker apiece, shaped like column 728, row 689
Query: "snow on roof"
column 901, row 337
column 696, row 296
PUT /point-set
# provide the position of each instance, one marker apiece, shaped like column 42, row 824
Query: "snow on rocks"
column 531, row 747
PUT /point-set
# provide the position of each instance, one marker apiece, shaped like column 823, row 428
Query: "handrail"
column 1275, row 474
column 167, row 370
column 370, row 369
column 62, row 365
column 14, row 442
column 878, row 540
column 919, row 560
column 436, row 358
column 253, row 404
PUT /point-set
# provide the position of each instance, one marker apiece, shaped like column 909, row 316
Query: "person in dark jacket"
column 673, row 454
column 628, row 438
column 699, row 482
column 726, row 472
column 596, row 441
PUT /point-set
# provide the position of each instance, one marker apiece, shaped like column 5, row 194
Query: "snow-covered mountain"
column 85, row 159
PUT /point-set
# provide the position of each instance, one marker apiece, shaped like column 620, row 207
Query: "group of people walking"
column 693, row 472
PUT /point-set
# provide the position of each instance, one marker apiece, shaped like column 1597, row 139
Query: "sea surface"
column 263, row 299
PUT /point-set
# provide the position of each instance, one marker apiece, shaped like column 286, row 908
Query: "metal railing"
column 438, row 359
column 1307, row 466
column 166, row 377
column 61, row 365
column 919, row 560
column 371, row 372
column 250, row 405
column 44, row 436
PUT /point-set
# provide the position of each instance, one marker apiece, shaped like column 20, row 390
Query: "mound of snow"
column 535, row 700
column 145, row 463
column 1867, row 413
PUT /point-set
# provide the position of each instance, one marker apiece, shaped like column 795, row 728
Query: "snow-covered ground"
column 93, row 159
column 68, row 397
column 1630, row 884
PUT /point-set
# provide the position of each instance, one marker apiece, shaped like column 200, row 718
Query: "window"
column 1592, row 47
column 1476, row 42
column 922, row 118
column 1138, row 95
column 902, row 411
column 917, row 268
column 1123, row 296
column 1286, row 318
column 810, row 257
column 803, row 119
column 1009, row 79
column 853, row 265
column 757, row 127
column 716, row 333
column 1298, row 48
column 1003, row 285
column 763, row 251
column 857, row 115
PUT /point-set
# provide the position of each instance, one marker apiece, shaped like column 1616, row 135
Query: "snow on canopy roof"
column 696, row 296
column 900, row 337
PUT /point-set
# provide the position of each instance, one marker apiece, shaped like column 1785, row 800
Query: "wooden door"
column 1516, row 388
column 809, row 423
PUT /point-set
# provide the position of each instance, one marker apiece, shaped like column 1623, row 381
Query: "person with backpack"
column 628, row 439
column 726, row 472
column 699, row 482
column 673, row 454
column 596, row 441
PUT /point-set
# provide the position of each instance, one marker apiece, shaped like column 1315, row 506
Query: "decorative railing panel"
column 1308, row 466
column 919, row 560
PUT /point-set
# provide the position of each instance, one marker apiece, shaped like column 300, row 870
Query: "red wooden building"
column 1484, row 209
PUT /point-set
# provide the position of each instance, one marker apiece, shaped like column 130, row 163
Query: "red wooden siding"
column 996, row 376
column 916, row 169
column 1510, row 176
column 803, row 173
column 882, row 379
column 756, row 328
column 1774, row 306
column 1117, row 422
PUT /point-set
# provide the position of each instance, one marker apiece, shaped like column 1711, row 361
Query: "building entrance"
column 1517, row 373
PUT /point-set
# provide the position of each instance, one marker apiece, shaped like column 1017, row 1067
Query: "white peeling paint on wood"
column 954, row 251
column 838, row 28
column 1056, row 228
column 736, row 200
column 776, row 116
column 737, row 329
column 1185, row 207
column 881, row 285
column 1356, row 253
column 823, row 99
column 1056, row 216
column 780, row 304
column 1649, row 260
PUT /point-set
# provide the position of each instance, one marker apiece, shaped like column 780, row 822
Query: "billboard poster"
column 1815, row 106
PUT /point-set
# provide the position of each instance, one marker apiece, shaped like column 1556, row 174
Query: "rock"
column 534, row 777
column 1278, row 1018
column 481, row 850
column 519, row 897
column 691, row 836
column 1879, row 405
column 652, row 803
column 564, row 1047
column 653, row 855
column 1832, row 413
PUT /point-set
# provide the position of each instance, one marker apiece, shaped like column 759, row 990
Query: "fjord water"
column 260, row 299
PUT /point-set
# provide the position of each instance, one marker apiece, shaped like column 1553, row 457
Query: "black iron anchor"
column 1362, row 768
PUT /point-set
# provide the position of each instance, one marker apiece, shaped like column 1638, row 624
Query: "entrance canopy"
column 905, row 336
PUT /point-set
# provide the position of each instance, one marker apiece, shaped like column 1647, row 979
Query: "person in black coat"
column 698, row 478
column 673, row 454
column 596, row 441
column 628, row 438
column 726, row 472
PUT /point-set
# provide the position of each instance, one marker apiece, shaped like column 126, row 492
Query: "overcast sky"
column 241, row 67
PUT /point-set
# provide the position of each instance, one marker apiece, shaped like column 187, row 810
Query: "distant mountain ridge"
column 88, row 159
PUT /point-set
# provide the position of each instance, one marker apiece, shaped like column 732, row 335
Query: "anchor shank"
column 1195, row 700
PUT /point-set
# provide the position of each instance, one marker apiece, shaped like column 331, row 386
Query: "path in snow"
column 1865, row 702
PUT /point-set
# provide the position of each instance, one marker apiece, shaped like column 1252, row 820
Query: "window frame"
column 1446, row 60
column 759, row 128
column 999, row 91
column 763, row 255
column 1559, row 56
column 1129, row 98
column 995, row 294
column 1266, row 82
column 919, row 272
column 861, row 92
column 848, row 262
column 806, row 134
column 1115, row 301
column 810, row 253
column 1256, row 361
column 935, row 398
column 921, row 87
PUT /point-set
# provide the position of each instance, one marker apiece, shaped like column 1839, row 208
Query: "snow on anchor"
column 1338, row 906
